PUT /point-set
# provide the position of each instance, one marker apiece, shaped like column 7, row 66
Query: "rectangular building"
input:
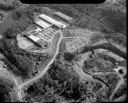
column 52, row 21
column 42, row 24
column 34, row 38
column 63, row 16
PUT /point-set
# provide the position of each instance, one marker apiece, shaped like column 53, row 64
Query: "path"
column 119, row 83
column 30, row 81
column 41, row 74
column 11, row 76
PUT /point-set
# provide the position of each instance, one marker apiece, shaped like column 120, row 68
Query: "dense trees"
column 23, row 17
column 69, row 57
column 5, row 88
column 16, row 3
column 95, row 17
column 62, row 83
column 24, row 64
column 4, row 6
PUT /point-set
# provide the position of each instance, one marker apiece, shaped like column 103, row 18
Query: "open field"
column 23, row 42
column 27, row 45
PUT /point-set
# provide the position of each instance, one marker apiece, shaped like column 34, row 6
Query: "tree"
column 16, row 4
column 25, row 65
column 69, row 56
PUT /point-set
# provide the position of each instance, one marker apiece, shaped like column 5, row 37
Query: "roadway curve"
column 107, row 47
column 29, row 82
column 86, row 49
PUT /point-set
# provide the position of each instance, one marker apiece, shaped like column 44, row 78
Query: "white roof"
column 43, row 24
column 34, row 38
column 63, row 15
column 52, row 21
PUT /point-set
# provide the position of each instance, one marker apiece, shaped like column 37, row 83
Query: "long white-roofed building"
column 52, row 21
column 34, row 38
column 63, row 16
column 42, row 24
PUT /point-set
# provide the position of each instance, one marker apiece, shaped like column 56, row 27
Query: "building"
column 63, row 16
column 42, row 24
column 52, row 21
column 36, row 35
column 33, row 31
column 44, row 30
column 34, row 38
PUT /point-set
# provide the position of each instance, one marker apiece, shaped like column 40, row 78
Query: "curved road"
column 42, row 73
column 30, row 81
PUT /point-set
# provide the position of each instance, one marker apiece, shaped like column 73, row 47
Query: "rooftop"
column 42, row 23
column 63, row 16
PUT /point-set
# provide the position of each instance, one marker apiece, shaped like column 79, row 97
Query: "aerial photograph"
column 63, row 53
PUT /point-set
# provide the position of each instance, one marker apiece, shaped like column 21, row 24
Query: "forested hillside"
column 96, row 17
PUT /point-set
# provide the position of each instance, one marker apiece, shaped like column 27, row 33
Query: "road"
column 29, row 82
column 121, row 82
column 10, row 75
column 19, row 87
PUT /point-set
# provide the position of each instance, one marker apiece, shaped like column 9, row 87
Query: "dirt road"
column 29, row 82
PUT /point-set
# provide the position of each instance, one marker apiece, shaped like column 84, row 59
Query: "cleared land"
column 23, row 42
column 27, row 45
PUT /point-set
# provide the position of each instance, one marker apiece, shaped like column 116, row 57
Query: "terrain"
column 95, row 71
